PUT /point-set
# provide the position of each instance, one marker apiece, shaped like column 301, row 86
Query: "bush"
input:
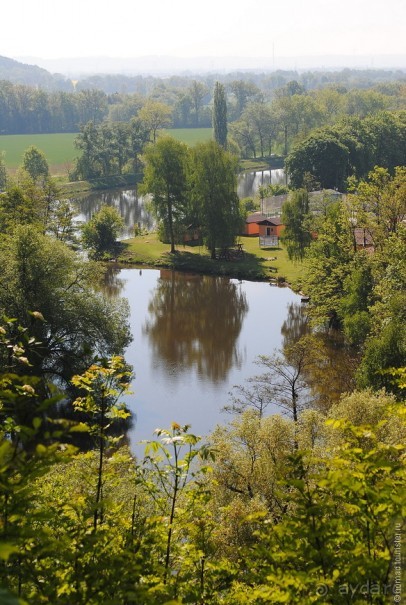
column 99, row 235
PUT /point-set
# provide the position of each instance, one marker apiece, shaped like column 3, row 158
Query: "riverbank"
column 102, row 183
column 256, row 264
column 130, row 180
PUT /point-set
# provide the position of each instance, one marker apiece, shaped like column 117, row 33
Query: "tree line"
column 28, row 110
column 350, row 148
column 264, row 120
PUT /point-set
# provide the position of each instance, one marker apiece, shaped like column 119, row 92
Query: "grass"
column 60, row 151
column 58, row 148
column 191, row 136
column 257, row 264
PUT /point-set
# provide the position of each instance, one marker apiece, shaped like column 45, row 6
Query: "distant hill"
column 78, row 68
column 32, row 75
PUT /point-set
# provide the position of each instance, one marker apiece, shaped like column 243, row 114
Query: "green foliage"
column 220, row 115
column 378, row 205
column 340, row 531
column 287, row 511
column 352, row 147
column 248, row 205
column 297, row 220
column 42, row 274
column 385, row 346
column 358, row 297
column 36, row 203
column 213, row 190
column 278, row 189
column 104, row 385
column 3, row 172
column 176, row 484
column 155, row 115
column 329, row 262
column 99, row 234
column 324, row 157
column 362, row 290
column 255, row 129
column 165, row 180
column 35, row 163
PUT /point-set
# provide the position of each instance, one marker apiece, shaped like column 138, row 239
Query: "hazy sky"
column 251, row 28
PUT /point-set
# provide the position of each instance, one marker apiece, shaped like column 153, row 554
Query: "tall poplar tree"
column 220, row 115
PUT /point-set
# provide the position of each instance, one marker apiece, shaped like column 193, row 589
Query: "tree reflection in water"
column 295, row 325
column 332, row 377
column 195, row 321
column 112, row 284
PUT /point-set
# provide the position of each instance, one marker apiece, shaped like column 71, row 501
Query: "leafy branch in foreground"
column 104, row 384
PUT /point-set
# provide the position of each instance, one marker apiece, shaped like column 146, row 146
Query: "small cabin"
column 268, row 229
column 251, row 223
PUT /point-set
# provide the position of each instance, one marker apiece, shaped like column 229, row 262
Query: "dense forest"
column 290, row 102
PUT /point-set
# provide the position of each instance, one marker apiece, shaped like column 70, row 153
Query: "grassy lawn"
column 255, row 265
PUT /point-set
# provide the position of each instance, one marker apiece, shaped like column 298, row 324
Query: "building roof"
column 363, row 237
column 259, row 218
column 272, row 220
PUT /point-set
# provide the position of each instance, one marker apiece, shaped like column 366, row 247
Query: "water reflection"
column 112, row 285
column 184, row 339
column 131, row 206
column 134, row 208
column 249, row 182
column 194, row 338
column 295, row 325
column 334, row 376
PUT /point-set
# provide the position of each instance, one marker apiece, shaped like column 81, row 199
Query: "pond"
column 194, row 338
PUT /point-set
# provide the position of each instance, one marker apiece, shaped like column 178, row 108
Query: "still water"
column 249, row 182
column 194, row 337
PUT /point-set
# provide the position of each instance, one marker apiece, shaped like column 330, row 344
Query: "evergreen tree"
column 220, row 115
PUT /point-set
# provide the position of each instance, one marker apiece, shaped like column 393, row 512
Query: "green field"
column 60, row 150
column 191, row 136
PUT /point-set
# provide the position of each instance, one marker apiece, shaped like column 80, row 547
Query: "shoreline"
column 270, row 265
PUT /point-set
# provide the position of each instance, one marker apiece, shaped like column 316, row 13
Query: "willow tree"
column 213, row 184
column 165, row 180
column 220, row 115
